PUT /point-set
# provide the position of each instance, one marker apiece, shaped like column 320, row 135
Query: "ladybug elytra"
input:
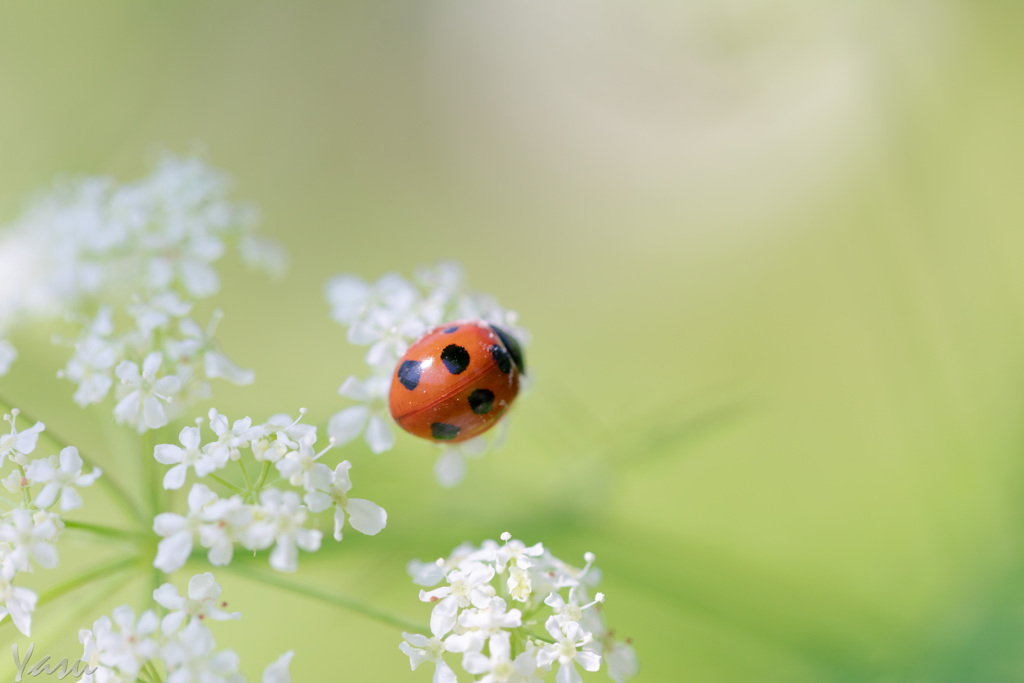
column 456, row 381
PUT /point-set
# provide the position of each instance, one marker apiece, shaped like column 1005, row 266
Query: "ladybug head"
column 512, row 346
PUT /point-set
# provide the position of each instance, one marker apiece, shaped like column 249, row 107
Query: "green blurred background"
column 768, row 253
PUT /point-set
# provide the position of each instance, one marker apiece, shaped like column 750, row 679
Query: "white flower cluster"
column 177, row 649
column 158, row 240
column 29, row 527
column 554, row 620
column 258, row 515
column 388, row 315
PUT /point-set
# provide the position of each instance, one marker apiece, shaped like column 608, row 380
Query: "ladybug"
column 456, row 381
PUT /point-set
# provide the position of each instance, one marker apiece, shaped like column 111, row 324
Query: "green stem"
column 24, row 489
column 102, row 530
column 119, row 492
column 337, row 600
column 151, row 481
column 245, row 476
column 225, row 483
column 259, row 482
column 86, row 578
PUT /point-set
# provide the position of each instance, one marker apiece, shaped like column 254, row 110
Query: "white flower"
column 566, row 651
column 29, row 540
column 19, row 603
column 197, row 343
column 570, row 611
column 516, row 553
column 178, row 532
column 190, row 657
column 351, row 300
column 480, row 624
column 482, row 627
column 297, row 465
column 390, row 338
column 280, row 517
column 230, row 438
column 421, row 649
column 332, row 489
column 372, row 416
column 202, row 602
column 91, row 657
column 16, row 445
column 8, row 354
column 225, row 521
column 432, row 573
column 468, row 585
column 189, row 455
column 499, row 666
column 158, row 311
column 131, row 645
column 450, row 468
column 90, row 367
column 60, row 481
column 277, row 671
column 143, row 404
column 620, row 661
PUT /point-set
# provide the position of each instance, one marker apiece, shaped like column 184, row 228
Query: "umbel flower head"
column 124, row 263
column 260, row 516
column 515, row 613
column 46, row 489
column 387, row 316
column 179, row 648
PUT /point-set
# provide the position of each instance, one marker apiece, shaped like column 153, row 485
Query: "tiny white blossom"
column 480, row 624
column 29, row 540
column 331, row 488
column 202, row 602
column 297, row 465
column 188, row 455
column 566, row 651
column 277, row 671
column 179, row 531
column 158, row 311
column 142, row 405
column 569, row 611
column 17, row 602
column 372, row 416
column 130, row 645
column 499, row 667
column 91, row 368
column 60, row 478
column 280, row 520
column 421, row 649
column 450, row 468
column 16, row 445
column 190, row 656
column 620, row 661
column 230, row 437
column 467, row 586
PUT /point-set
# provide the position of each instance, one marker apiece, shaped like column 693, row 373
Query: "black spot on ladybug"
column 513, row 347
column 455, row 358
column 442, row 431
column 409, row 374
column 501, row 357
column 481, row 401
column 449, row 330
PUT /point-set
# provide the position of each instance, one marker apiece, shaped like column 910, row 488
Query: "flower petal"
column 366, row 517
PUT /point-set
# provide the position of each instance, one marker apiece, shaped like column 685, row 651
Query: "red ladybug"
column 456, row 381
